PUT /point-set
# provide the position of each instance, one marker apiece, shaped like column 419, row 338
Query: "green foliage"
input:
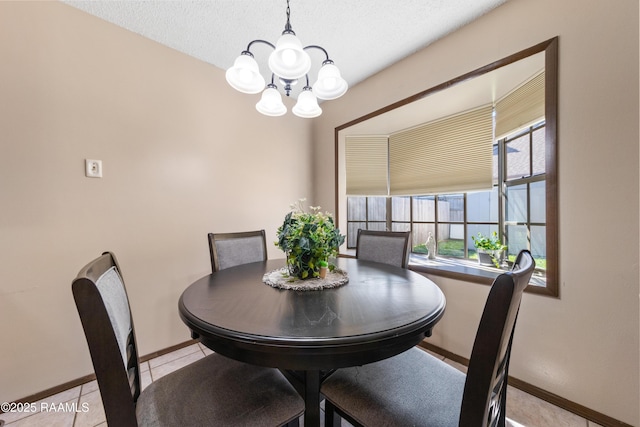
column 420, row 249
column 308, row 238
column 491, row 245
column 451, row 247
column 488, row 244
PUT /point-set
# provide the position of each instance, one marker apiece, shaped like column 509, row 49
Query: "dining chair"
column 231, row 249
column 415, row 388
column 388, row 247
column 214, row 390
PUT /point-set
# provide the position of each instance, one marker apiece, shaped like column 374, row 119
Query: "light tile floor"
column 82, row 407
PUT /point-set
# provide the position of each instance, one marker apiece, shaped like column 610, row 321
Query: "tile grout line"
column 173, row 360
column 75, row 416
column 148, row 362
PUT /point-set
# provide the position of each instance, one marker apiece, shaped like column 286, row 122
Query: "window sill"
column 469, row 271
column 466, row 270
column 453, row 268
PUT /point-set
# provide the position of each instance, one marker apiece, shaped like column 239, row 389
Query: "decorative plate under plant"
column 281, row 279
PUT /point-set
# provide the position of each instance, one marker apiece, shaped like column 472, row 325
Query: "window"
column 514, row 208
column 524, row 193
column 519, row 198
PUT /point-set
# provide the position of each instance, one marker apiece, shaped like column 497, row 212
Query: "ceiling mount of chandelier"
column 288, row 62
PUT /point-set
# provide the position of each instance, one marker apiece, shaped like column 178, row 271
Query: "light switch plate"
column 93, row 168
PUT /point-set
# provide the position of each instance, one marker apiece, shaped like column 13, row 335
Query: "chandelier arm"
column 260, row 41
column 313, row 46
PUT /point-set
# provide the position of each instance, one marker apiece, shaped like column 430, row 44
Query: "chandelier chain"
column 287, row 27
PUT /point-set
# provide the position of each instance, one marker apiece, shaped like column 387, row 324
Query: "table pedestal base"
column 307, row 383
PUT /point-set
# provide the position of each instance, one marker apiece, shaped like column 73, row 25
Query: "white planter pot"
column 485, row 258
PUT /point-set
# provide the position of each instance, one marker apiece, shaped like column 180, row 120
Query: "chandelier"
column 288, row 63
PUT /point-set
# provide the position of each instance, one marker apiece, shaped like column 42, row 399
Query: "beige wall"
column 183, row 155
column 583, row 346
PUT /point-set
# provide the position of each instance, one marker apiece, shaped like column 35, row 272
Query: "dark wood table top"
column 382, row 311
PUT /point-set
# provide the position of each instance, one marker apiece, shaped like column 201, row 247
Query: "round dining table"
column 380, row 312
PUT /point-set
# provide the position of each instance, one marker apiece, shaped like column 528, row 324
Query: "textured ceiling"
column 361, row 37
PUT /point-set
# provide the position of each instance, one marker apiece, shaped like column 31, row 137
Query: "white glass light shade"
column 270, row 103
column 245, row 75
column 307, row 105
column 330, row 85
column 289, row 60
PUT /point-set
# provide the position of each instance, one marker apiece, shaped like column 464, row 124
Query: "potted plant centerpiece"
column 489, row 249
column 308, row 239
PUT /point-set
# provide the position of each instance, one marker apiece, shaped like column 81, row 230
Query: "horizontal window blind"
column 520, row 108
column 367, row 165
column 448, row 155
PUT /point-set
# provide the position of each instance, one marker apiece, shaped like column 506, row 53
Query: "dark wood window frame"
column 470, row 274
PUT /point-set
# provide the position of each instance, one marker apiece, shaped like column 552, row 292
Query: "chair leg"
column 331, row 417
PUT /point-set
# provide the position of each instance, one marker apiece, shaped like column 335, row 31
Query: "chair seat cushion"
column 410, row 389
column 217, row 390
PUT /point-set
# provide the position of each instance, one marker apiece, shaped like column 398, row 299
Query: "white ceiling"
column 361, row 37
